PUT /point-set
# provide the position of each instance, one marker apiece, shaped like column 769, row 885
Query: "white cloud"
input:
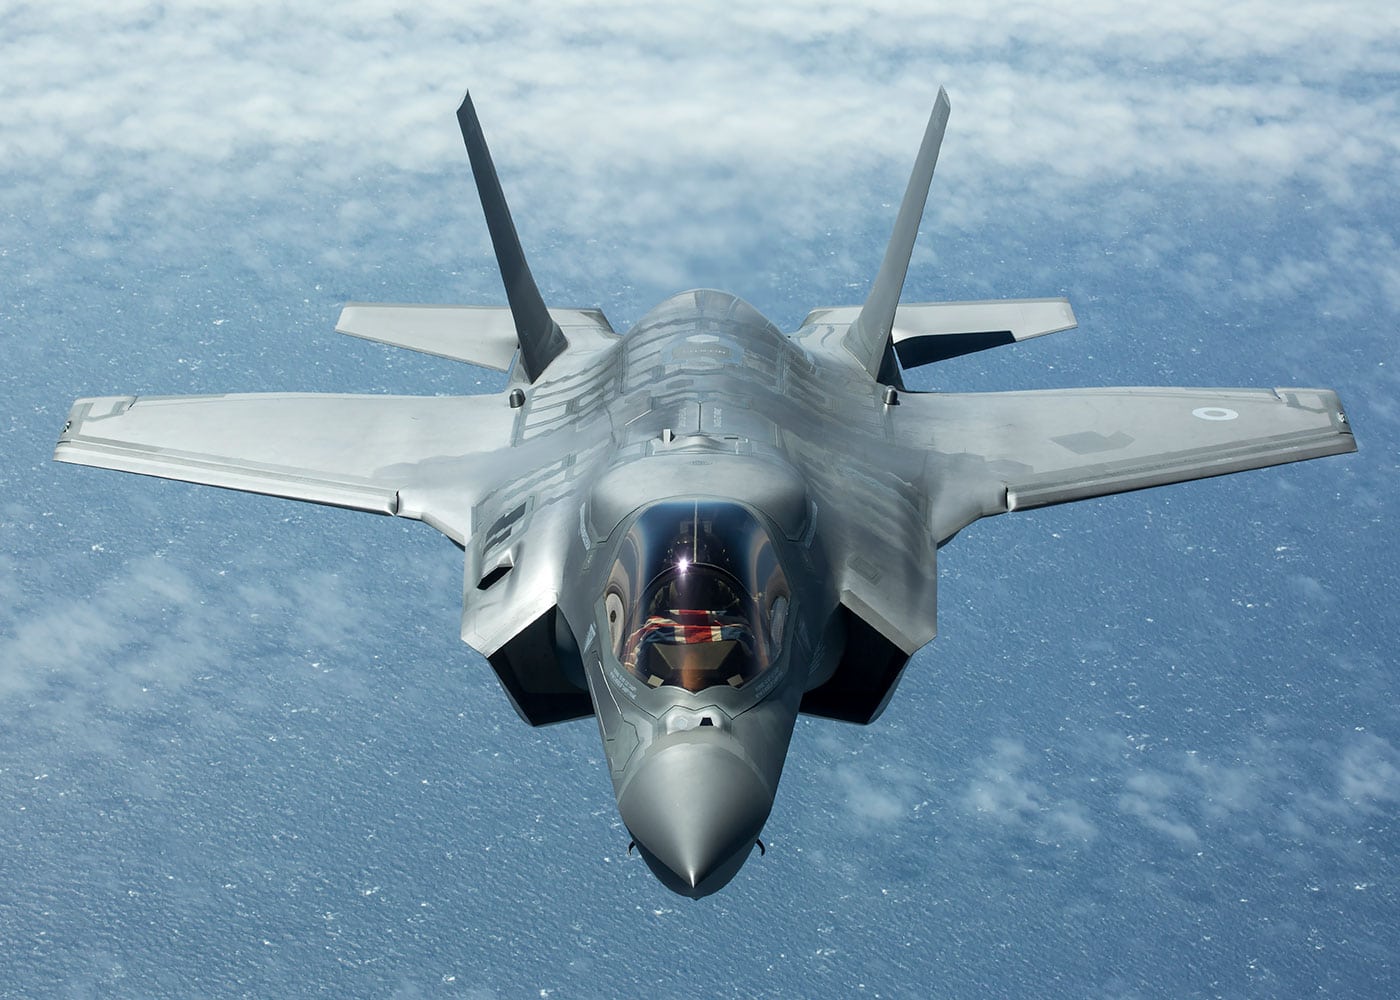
column 66, row 642
column 1003, row 791
column 1000, row 790
column 872, row 797
column 646, row 150
column 1147, row 797
column 150, row 637
column 581, row 95
column 1223, row 789
column 1368, row 774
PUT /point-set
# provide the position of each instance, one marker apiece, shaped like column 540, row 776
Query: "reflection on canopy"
column 696, row 597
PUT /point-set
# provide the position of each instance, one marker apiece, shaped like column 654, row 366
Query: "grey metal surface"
column 868, row 337
column 848, row 487
column 927, row 332
column 478, row 335
column 541, row 340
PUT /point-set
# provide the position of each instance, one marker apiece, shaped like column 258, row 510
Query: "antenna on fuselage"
column 541, row 340
column 868, row 338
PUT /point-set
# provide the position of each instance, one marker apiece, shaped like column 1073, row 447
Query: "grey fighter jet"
column 700, row 528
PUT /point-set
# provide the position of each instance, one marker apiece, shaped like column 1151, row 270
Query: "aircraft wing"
column 385, row 454
column 995, row 452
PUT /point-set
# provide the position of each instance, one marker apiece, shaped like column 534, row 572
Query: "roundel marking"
column 1214, row 413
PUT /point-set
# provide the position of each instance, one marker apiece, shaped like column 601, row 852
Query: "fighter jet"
column 700, row 528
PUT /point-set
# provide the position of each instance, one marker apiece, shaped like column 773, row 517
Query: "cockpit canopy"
column 696, row 597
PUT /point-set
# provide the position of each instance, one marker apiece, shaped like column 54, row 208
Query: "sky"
column 1155, row 750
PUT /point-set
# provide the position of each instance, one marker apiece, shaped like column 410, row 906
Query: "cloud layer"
column 1155, row 747
column 617, row 119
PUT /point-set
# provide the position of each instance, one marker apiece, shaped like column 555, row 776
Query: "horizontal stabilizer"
column 479, row 335
column 925, row 332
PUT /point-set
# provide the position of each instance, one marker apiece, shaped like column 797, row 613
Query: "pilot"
column 698, row 622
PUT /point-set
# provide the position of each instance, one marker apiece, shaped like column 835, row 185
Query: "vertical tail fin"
column 541, row 340
column 869, row 336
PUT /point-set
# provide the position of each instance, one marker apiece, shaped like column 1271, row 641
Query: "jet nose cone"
column 695, row 810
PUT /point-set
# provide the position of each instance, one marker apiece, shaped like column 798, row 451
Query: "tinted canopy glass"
column 696, row 597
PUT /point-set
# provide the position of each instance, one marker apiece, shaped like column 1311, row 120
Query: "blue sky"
column 1156, row 748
